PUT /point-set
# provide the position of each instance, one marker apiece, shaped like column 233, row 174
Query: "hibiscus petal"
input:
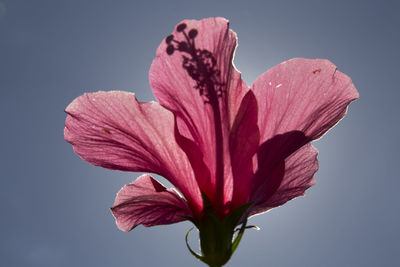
column 271, row 157
column 175, row 89
column 115, row 131
column 298, row 176
column 147, row 202
column 307, row 95
column 243, row 143
column 195, row 157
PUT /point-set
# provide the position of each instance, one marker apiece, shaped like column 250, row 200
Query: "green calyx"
column 217, row 242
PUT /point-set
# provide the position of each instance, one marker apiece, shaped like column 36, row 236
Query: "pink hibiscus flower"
column 230, row 151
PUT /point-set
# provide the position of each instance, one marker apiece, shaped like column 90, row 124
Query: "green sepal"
column 236, row 242
column 216, row 234
column 217, row 242
column 197, row 256
column 255, row 227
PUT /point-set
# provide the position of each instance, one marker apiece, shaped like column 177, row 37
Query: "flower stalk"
column 217, row 241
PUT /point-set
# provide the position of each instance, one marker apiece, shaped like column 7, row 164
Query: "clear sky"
column 55, row 206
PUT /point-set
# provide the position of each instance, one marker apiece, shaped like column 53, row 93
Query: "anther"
column 170, row 49
column 200, row 64
column 192, row 33
column 181, row 27
column 169, row 39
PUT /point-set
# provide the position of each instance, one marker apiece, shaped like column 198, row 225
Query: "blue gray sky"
column 55, row 207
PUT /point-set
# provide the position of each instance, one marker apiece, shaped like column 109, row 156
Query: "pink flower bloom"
column 210, row 133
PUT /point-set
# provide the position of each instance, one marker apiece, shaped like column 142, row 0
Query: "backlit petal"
column 307, row 95
column 147, row 202
column 298, row 176
column 175, row 89
column 115, row 131
column 243, row 143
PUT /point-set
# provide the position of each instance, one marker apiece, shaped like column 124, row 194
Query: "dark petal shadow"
column 271, row 163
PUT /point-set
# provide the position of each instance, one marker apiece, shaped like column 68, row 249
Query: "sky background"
column 55, row 206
